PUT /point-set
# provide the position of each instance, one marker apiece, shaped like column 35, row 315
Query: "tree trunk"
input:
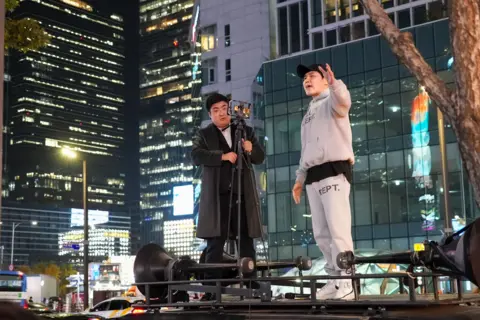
column 465, row 39
column 461, row 107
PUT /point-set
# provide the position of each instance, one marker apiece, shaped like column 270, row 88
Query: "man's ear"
column 210, row 115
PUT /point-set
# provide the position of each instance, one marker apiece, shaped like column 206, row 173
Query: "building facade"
column 235, row 41
column 169, row 110
column 397, row 192
column 41, row 235
column 67, row 96
column 314, row 24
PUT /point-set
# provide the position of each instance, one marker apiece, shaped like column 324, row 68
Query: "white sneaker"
column 328, row 291
column 345, row 290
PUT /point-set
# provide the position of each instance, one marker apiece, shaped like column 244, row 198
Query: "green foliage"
column 10, row 5
column 25, row 35
column 66, row 270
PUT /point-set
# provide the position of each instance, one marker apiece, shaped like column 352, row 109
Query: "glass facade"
column 69, row 94
column 397, row 192
column 315, row 24
column 169, row 111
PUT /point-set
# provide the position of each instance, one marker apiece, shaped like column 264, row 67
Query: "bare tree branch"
column 402, row 45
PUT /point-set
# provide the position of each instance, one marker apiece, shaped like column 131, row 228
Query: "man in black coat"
column 214, row 149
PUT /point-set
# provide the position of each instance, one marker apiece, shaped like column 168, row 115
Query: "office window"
column 209, row 71
column 304, row 22
column 294, row 11
column 228, row 70
column 420, row 14
column 329, row 13
column 293, row 28
column 207, row 38
column 358, row 30
column 387, row 4
column 357, row 8
column 403, row 20
column 283, row 31
column 227, row 35
column 317, row 13
column 343, row 11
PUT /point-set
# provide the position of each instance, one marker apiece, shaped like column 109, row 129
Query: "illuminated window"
column 207, row 38
column 78, row 4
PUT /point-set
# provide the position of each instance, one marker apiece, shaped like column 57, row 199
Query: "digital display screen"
column 183, row 202
column 11, row 283
column 94, row 217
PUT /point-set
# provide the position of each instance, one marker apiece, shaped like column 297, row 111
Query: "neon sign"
column 194, row 27
column 422, row 158
column 195, row 68
column 194, row 41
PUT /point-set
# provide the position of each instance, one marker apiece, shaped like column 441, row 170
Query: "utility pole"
column 2, row 80
column 14, row 226
column 446, row 186
column 85, row 236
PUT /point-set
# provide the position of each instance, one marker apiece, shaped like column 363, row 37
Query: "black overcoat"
column 206, row 152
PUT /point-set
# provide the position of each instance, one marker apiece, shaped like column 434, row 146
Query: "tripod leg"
column 239, row 197
column 230, row 209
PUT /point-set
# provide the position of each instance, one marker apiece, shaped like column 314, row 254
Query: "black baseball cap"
column 214, row 98
column 302, row 70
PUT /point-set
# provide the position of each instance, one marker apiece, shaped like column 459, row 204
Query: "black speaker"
column 152, row 264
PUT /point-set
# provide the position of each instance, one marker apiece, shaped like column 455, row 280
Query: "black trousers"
column 214, row 250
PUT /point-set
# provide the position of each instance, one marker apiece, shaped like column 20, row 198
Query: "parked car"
column 70, row 316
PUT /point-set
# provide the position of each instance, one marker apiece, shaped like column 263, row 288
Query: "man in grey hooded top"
column 326, row 170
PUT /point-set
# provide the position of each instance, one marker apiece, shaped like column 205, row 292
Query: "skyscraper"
column 169, row 111
column 67, row 96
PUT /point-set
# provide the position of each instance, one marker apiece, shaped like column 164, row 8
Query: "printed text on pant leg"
column 326, row 189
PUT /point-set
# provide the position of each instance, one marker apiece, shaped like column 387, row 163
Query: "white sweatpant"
column 331, row 218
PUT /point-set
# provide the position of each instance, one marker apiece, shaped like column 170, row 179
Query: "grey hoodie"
column 326, row 133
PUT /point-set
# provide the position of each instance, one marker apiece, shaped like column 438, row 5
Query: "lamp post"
column 14, row 226
column 72, row 155
column 2, row 77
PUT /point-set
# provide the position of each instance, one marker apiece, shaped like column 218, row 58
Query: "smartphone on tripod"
column 240, row 110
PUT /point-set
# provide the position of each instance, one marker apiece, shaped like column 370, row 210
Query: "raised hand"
column 328, row 74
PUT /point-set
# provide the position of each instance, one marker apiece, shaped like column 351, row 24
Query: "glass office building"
column 397, row 192
column 169, row 110
column 67, row 95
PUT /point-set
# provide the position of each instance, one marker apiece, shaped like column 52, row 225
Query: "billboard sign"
column 183, row 202
column 94, row 217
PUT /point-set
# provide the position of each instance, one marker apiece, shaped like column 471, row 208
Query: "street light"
column 14, row 226
column 73, row 155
